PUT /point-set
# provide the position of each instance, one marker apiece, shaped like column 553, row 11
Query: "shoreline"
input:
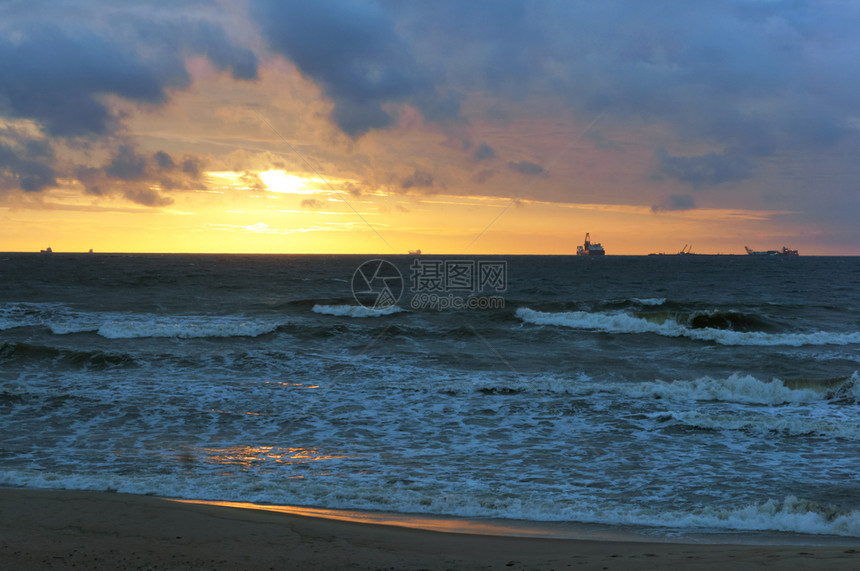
column 52, row 529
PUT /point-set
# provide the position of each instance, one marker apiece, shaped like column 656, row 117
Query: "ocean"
column 669, row 395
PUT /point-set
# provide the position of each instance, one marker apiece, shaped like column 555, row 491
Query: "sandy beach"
column 48, row 529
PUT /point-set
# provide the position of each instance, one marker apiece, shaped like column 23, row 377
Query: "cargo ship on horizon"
column 784, row 252
column 589, row 249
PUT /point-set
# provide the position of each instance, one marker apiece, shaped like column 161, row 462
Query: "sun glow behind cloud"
column 280, row 181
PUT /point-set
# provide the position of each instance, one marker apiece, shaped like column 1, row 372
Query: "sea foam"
column 793, row 425
column 61, row 320
column 627, row 323
column 735, row 388
column 185, row 327
column 355, row 310
column 649, row 300
column 788, row 514
column 138, row 326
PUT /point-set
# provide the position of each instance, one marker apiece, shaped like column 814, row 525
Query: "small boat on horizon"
column 47, row 250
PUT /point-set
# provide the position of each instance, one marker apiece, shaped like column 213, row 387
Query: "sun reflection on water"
column 300, row 385
column 262, row 456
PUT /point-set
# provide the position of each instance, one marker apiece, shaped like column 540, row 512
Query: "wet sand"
column 51, row 529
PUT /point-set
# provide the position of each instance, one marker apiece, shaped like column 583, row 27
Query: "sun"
column 280, row 181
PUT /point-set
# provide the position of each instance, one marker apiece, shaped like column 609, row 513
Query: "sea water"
column 674, row 395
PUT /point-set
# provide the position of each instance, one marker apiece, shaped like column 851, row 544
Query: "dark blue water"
column 675, row 393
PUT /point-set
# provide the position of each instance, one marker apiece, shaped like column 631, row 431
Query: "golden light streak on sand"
column 59, row 529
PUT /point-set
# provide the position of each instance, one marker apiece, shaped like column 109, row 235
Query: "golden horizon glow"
column 227, row 219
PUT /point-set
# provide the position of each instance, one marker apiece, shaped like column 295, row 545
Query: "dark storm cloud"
column 675, row 202
column 92, row 178
column 418, row 179
column 191, row 166
column 56, row 70
column 354, row 52
column 164, row 161
column 750, row 77
column 483, row 176
column 703, row 170
column 132, row 174
column 147, row 197
column 484, row 152
column 30, row 171
column 57, row 76
column 526, row 167
column 209, row 39
column 127, row 165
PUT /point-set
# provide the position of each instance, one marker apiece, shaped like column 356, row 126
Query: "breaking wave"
column 653, row 301
column 355, row 310
column 184, row 327
column 627, row 323
column 763, row 423
column 61, row 320
column 14, row 315
column 736, row 388
column 788, row 514
column 745, row 389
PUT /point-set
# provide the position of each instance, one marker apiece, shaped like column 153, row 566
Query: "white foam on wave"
column 649, row 300
column 74, row 323
column 61, row 320
column 355, row 310
column 735, row 388
column 626, row 323
column 14, row 315
column 184, row 327
column 792, row 425
column 788, row 514
column 793, row 514
column 138, row 326
column 6, row 323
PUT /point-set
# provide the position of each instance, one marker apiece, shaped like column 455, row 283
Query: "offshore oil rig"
column 589, row 249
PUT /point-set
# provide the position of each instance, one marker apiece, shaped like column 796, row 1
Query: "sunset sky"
column 479, row 127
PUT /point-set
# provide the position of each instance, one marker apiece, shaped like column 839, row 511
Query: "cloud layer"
column 59, row 75
column 701, row 102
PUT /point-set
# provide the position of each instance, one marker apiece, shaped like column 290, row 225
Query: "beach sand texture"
column 49, row 529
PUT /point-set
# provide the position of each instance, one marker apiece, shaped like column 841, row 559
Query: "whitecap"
column 626, row 323
column 355, row 310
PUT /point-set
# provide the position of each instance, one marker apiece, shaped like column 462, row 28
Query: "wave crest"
column 355, row 310
column 185, row 327
column 627, row 323
column 735, row 388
